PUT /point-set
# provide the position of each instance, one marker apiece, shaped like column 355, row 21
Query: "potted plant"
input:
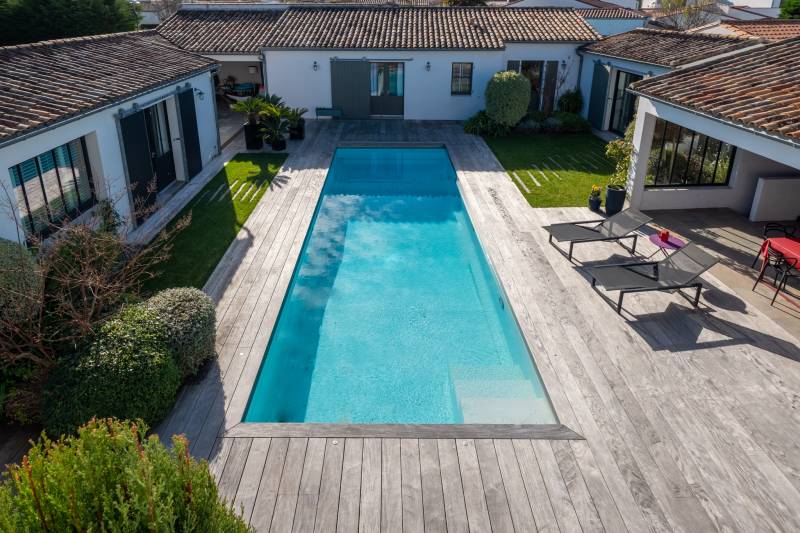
column 297, row 124
column 619, row 151
column 274, row 126
column 594, row 198
column 252, row 108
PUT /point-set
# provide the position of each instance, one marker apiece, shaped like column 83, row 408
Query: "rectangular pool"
column 393, row 314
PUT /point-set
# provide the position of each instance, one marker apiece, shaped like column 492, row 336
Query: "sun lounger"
column 620, row 226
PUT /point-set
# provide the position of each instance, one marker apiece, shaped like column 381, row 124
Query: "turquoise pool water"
column 393, row 314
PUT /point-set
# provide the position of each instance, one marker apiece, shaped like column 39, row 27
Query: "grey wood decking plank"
column 452, row 488
column 411, row 486
column 289, row 488
column 370, row 516
column 535, row 488
column 493, row 487
column 556, row 489
column 582, row 501
column 391, row 487
column 517, row 496
column 330, row 483
column 474, row 496
column 264, row 506
column 350, row 493
column 234, row 467
column 432, row 491
column 251, row 477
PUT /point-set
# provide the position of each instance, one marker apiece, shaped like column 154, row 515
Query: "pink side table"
column 671, row 244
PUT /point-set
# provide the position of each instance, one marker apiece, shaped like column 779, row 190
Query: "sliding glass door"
column 386, row 89
column 623, row 104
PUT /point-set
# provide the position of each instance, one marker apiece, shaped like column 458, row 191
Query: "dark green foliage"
column 507, row 97
column 571, row 101
column 127, row 372
column 111, row 477
column 790, row 9
column 190, row 320
column 482, row 124
column 559, row 122
column 27, row 21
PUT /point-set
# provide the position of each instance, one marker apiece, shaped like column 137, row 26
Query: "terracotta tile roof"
column 666, row 48
column 757, row 89
column 425, row 28
column 220, row 31
column 770, row 29
column 610, row 13
column 44, row 83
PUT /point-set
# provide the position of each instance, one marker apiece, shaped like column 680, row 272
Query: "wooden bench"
column 333, row 112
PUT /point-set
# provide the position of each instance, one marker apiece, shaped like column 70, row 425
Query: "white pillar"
column 642, row 140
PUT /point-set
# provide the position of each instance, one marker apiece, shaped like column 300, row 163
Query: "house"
column 769, row 29
column 415, row 63
column 613, row 20
column 723, row 134
column 611, row 65
column 705, row 13
column 105, row 117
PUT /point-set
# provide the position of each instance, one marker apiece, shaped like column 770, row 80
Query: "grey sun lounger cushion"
column 678, row 271
column 613, row 227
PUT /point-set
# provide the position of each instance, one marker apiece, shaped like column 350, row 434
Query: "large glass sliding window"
column 386, row 79
column 53, row 187
column 623, row 105
column 534, row 71
column 680, row 156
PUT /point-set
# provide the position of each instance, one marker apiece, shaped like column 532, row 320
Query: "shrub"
column 127, row 372
column 19, row 281
column 560, row 122
column 482, row 124
column 190, row 321
column 571, row 101
column 111, row 477
column 507, row 97
column 619, row 151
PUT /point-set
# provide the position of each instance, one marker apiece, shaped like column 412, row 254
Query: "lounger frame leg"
column 571, row 245
column 619, row 302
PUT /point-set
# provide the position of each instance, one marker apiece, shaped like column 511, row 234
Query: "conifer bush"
column 507, row 97
column 112, row 477
column 190, row 320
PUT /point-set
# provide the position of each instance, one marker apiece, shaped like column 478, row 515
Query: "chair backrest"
column 684, row 265
column 623, row 223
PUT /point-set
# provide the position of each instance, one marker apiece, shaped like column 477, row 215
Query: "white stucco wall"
column 606, row 27
column 756, row 156
column 614, row 65
column 103, row 144
column 290, row 74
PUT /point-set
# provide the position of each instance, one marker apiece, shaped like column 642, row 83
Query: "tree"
column 26, row 21
column 790, row 9
column 686, row 14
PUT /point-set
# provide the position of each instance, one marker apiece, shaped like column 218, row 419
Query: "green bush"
column 482, row 124
column 20, row 281
column 571, row 101
column 559, row 122
column 111, row 477
column 190, row 320
column 127, row 372
column 507, row 97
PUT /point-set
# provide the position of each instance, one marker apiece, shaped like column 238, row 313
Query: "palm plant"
column 274, row 124
column 251, row 107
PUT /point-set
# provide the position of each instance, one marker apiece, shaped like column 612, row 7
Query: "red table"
column 789, row 247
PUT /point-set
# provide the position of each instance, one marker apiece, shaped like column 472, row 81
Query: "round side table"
column 671, row 244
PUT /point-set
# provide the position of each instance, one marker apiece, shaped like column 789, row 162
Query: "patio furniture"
column 620, row 226
column 783, row 255
column 333, row 112
column 790, row 271
column 672, row 243
column 680, row 270
column 779, row 230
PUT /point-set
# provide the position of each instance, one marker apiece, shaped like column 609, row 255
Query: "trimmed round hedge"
column 112, row 477
column 507, row 97
column 127, row 372
column 19, row 280
column 190, row 320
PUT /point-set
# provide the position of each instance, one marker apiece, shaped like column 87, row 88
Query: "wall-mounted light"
column 563, row 63
column 315, row 66
column 200, row 94
column 428, row 66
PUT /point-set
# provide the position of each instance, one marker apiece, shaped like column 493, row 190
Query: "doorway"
column 623, row 103
column 386, row 82
column 159, row 142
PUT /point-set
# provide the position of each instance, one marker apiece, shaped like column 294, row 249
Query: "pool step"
column 486, row 373
column 481, row 410
column 494, row 388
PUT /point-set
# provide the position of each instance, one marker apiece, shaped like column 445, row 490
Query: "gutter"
column 727, row 122
column 81, row 114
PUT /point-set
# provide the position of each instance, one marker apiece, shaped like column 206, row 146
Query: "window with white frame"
column 461, row 79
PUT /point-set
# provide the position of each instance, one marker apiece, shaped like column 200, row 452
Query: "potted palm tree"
column 274, row 126
column 251, row 108
column 297, row 124
column 619, row 151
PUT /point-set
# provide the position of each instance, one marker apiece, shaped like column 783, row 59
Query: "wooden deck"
column 688, row 418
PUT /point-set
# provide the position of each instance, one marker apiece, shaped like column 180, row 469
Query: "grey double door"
column 363, row 89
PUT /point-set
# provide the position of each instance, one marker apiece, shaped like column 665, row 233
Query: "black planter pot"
column 278, row 145
column 298, row 133
column 615, row 200
column 252, row 137
column 594, row 203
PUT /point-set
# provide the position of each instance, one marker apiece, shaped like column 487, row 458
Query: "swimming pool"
column 393, row 314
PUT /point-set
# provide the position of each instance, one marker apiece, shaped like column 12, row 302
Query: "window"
column 623, row 105
column 461, row 79
column 680, row 156
column 53, row 187
column 386, row 79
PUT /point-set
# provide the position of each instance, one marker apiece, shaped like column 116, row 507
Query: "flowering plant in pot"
column 594, row 198
column 252, row 108
column 297, row 124
column 274, row 126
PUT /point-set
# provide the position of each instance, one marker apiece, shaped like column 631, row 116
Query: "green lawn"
column 218, row 213
column 554, row 170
